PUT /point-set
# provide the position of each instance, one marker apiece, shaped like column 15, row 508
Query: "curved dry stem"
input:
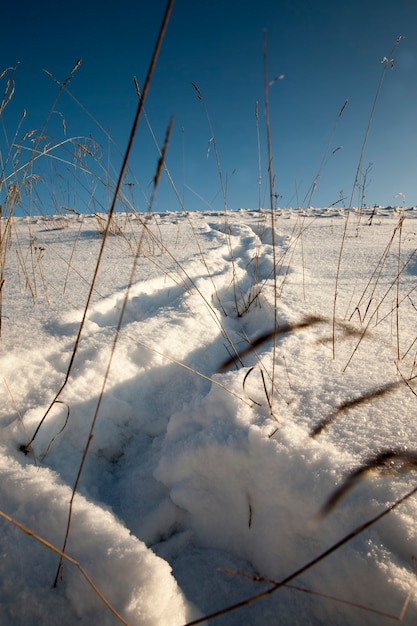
column 391, row 461
column 348, row 404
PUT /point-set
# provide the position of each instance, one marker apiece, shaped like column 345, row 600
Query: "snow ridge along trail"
column 188, row 473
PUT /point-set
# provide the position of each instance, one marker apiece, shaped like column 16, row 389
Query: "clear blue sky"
column 327, row 51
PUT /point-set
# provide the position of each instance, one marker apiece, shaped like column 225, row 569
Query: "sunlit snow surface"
column 198, row 476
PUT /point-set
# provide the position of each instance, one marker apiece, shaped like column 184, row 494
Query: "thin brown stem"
column 111, row 211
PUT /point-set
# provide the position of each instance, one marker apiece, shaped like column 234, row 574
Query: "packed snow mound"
column 105, row 548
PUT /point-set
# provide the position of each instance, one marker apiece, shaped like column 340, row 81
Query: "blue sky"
column 328, row 52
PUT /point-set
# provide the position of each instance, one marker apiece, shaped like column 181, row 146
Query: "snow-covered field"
column 198, row 477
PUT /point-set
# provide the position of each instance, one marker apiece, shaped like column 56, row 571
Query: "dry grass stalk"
column 188, row 282
column 237, row 290
column 263, row 370
column 271, row 179
column 66, row 557
column 382, row 299
column 180, row 200
column 370, row 289
column 387, row 63
column 309, row 196
column 397, row 295
column 326, row 596
column 110, row 216
column 111, row 212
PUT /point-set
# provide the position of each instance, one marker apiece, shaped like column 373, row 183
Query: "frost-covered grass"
column 200, row 478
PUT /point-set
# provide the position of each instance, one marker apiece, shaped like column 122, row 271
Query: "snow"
column 198, row 477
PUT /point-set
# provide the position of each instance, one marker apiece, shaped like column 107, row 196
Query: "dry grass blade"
column 68, row 411
column 237, row 290
column 271, row 334
column 36, row 154
column 161, row 159
column 266, row 392
column 391, row 461
column 51, row 547
column 348, row 404
column 263, row 370
column 250, row 370
column 326, row 596
column 309, row 196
